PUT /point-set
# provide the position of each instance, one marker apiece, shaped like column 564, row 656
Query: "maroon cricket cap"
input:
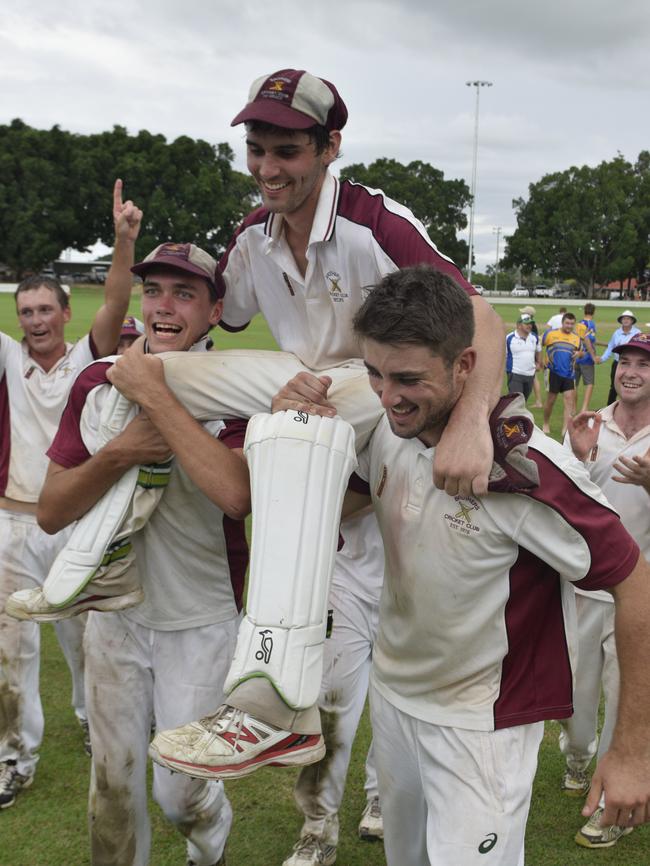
column 130, row 327
column 294, row 99
column 184, row 257
column 638, row 341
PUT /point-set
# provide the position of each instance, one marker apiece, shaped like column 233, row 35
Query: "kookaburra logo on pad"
column 264, row 654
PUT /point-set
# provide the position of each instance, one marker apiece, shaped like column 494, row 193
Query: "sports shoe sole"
column 587, row 842
column 94, row 602
column 300, row 755
column 23, row 785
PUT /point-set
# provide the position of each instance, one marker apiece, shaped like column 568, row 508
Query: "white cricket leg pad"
column 299, row 467
column 99, row 548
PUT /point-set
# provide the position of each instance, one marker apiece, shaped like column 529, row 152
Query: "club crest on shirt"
column 461, row 518
column 336, row 292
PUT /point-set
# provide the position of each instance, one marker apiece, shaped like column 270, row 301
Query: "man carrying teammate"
column 614, row 445
column 36, row 375
column 305, row 260
column 474, row 650
column 165, row 659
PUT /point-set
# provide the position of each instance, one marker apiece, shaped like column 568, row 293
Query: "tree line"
column 590, row 224
column 56, row 191
column 56, row 187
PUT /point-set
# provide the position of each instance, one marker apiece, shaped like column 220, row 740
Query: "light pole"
column 496, row 231
column 477, row 85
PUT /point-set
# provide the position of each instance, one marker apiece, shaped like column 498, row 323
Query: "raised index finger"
column 117, row 196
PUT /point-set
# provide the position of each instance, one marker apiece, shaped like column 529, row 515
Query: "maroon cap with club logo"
column 184, row 257
column 294, row 99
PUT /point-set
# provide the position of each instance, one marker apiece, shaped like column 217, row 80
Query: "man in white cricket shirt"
column 477, row 619
column 36, row 375
column 614, row 445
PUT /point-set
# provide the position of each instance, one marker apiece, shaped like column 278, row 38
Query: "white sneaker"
column 575, row 783
column 311, row 851
column 592, row 835
column 371, row 825
column 231, row 744
column 11, row 783
column 31, row 604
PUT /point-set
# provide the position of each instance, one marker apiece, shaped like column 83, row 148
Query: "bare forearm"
column 218, row 471
column 633, row 648
column 69, row 493
column 117, row 294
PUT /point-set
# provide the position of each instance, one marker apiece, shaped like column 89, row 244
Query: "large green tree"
column 40, row 209
column 583, row 223
column 438, row 203
column 56, row 191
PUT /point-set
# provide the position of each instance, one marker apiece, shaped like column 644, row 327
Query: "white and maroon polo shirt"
column 358, row 236
column 31, row 403
column 477, row 622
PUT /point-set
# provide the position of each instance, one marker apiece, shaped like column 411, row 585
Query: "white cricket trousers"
column 239, row 383
column 26, row 555
column 135, row 675
column 346, row 667
column 597, row 668
column 452, row 797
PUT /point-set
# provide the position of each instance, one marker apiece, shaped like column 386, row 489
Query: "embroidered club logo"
column 462, row 521
column 277, row 84
column 511, row 430
column 335, row 290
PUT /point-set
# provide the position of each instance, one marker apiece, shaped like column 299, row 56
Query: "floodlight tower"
column 477, row 85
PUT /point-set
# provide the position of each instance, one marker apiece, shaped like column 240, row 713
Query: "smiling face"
column 288, row 170
column 417, row 389
column 176, row 309
column 43, row 320
column 632, row 377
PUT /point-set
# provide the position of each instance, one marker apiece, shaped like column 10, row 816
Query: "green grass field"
column 47, row 826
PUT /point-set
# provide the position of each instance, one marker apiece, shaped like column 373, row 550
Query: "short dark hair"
column 568, row 316
column 590, row 309
column 318, row 134
column 36, row 281
column 419, row 306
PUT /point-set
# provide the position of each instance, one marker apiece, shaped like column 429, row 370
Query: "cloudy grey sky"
column 570, row 78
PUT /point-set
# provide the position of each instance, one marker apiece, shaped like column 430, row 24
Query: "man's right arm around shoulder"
column 623, row 773
column 70, row 491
